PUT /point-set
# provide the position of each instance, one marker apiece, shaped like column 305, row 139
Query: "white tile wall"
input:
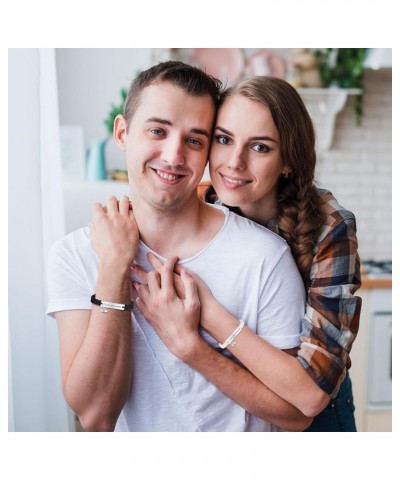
column 358, row 167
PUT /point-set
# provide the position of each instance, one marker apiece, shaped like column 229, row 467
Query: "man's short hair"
column 189, row 78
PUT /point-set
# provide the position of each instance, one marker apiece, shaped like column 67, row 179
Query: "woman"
column 262, row 164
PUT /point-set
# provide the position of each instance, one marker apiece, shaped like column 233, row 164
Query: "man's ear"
column 120, row 132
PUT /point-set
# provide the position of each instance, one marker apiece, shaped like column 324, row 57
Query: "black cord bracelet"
column 114, row 306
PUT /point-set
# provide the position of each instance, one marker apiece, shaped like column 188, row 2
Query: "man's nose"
column 173, row 152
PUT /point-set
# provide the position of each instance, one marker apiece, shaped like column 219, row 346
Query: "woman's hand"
column 209, row 306
column 158, row 266
column 114, row 232
column 174, row 317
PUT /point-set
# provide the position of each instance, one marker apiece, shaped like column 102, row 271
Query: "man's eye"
column 222, row 139
column 194, row 141
column 156, row 131
column 259, row 147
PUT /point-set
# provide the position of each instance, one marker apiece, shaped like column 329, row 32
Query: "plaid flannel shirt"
column 332, row 315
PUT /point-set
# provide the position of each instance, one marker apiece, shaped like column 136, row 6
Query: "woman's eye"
column 222, row 139
column 259, row 147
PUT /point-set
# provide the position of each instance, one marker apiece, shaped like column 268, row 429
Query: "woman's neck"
column 259, row 212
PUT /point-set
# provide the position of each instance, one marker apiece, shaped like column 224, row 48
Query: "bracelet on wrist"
column 230, row 340
column 104, row 305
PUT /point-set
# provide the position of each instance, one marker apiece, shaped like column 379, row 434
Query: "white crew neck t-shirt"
column 250, row 271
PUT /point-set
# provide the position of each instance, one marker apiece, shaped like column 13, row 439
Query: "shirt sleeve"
column 281, row 304
column 68, row 283
column 331, row 320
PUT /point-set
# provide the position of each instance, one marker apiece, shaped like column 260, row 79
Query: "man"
column 120, row 373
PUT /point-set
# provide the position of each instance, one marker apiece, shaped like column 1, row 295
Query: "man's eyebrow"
column 163, row 121
column 262, row 137
column 200, row 131
column 159, row 120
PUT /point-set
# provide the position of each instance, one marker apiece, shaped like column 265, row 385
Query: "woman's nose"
column 237, row 160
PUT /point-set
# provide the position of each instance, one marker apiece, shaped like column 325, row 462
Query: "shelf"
column 323, row 104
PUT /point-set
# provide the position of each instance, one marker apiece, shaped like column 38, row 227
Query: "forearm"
column 244, row 388
column 97, row 383
column 280, row 372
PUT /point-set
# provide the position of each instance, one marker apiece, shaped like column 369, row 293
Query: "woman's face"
column 245, row 158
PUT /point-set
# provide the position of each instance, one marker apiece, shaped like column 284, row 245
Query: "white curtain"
column 36, row 220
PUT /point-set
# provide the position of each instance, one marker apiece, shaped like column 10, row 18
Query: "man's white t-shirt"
column 249, row 270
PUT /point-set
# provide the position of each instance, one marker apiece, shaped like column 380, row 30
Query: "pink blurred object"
column 226, row 64
column 265, row 62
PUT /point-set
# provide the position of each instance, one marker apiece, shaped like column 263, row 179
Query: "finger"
column 97, row 210
column 191, row 295
column 143, row 299
column 131, row 216
column 140, row 272
column 153, row 281
column 167, row 276
column 123, row 205
column 112, row 205
column 141, row 289
column 141, row 303
column 155, row 261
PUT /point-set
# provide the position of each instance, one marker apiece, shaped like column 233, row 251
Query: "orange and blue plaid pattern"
column 332, row 316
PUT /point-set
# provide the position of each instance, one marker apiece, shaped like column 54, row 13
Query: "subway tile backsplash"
column 358, row 167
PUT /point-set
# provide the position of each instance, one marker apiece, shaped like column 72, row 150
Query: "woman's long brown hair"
column 299, row 214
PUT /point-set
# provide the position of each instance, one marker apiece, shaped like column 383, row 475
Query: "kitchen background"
column 355, row 162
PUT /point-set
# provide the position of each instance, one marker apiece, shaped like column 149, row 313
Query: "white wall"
column 89, row 81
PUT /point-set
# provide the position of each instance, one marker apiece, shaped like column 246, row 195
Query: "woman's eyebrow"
column 258, row 137
column 270, row 139
column 224, row 130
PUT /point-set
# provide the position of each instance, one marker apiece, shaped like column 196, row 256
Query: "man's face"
column 166, row 145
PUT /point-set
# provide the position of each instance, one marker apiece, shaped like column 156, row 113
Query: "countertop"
column 376, row 282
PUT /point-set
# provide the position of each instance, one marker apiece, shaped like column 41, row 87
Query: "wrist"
column 210, row 312
column 218, row 322
column 114, row 268
column 188, row 349
column 114, row 283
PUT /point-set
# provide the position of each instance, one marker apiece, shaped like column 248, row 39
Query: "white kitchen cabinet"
column 372, row 360
column 323, row 105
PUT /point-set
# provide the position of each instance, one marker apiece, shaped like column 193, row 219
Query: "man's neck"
column 183, row 231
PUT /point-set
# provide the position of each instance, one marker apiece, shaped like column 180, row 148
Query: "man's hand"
column 114, row 232
column 175, row 319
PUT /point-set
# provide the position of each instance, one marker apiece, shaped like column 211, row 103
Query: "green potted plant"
column 343, row 68
column 115, row 110
column 120, row 175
